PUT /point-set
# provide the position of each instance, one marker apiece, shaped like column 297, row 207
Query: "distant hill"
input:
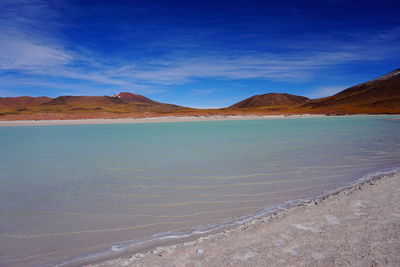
column 83, row 100
column 271, row 99
column 378, row 96
column 89, row 106
column 381, row 95
column 134, row 98
column 120, row 98
column 122, row 103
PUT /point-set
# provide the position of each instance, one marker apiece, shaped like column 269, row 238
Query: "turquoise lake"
column 80, row 192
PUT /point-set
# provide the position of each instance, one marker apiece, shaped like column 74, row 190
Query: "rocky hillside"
column 271, row 99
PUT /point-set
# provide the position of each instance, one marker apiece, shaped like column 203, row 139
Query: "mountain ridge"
column 133, row 98
column 377, row 96
column 270, row 99
column 382, row 92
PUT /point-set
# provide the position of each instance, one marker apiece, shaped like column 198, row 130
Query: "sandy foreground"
column 359, row 226
column 145, row 120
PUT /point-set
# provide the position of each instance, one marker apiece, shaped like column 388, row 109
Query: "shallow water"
column 71, row 191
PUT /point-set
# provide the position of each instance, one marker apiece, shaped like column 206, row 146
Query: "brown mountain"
column 133, row 98
column 381, row 95
column 120, row 103
column 84, row 100
column 271, row 99
column 120, row 98
column 378, row 96
column 85, row 106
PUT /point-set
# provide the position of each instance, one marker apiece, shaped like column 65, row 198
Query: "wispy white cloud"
column 298, row 67
column 46, row 60
column 27, row 37
column 26, row 55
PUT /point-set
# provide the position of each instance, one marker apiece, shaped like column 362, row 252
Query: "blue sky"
column 195, row 53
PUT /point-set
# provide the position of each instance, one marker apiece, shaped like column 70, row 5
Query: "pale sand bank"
column 167, row 119
column 359, row 226
column 146, row 120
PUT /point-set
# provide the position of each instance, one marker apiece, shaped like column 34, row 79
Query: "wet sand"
column 146, row 120
column 358, row 226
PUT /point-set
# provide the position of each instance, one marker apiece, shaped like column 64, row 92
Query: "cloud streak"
column 25, row 55
column 298, row 67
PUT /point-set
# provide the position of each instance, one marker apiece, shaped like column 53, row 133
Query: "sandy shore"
column 359, row 226
column 165, row 119
column 146, row 120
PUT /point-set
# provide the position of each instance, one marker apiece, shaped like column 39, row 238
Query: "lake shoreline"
column 210, row 178
column 145, row 120
column 261, row 241
column 165, row 119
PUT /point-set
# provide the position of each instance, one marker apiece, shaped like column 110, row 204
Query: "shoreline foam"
column 196, row 250
column 208, row 232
